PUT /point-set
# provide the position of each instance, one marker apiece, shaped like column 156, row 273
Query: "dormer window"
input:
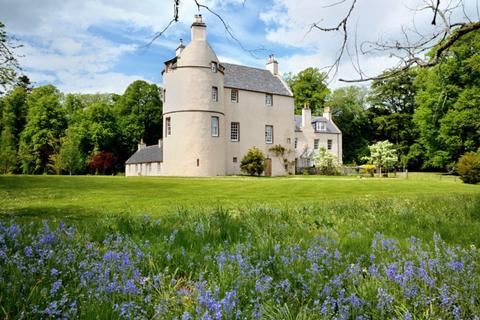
column 214, row 67
column 321, row 126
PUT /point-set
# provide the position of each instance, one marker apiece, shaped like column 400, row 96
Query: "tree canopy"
column 308, row 86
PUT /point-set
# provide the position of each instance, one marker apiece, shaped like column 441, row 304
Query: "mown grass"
column 70, row 197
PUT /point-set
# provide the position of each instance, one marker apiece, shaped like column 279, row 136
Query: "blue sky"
column 99, row 45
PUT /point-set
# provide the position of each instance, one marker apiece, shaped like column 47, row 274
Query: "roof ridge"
column 241, row 65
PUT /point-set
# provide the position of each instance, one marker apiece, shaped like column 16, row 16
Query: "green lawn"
column 94, row 195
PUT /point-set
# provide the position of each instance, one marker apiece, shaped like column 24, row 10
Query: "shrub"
column 468, row 167
column 326, row 162
column 253, row 163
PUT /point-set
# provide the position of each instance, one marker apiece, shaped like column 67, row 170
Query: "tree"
column 140, row 111
column 45, row 125
column 9, row 65
column 8, row 154
column 326, row 162
column 392, row 105
column 468, row 167
column 102, row 162
column 15, row 111
column 253, row 163
column 71, row 159
column 309, row 87
column 349, row 114
column 382, row 155
column 101, row 127
column 448, row 97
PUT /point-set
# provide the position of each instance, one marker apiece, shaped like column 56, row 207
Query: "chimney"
column 272, row 65
column 160, row 143
column 199, row 32
column 141, row 145
column 179, row 48
column 306, row 115
column 327, row 114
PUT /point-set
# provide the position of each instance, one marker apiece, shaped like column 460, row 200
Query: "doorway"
column 268, row 167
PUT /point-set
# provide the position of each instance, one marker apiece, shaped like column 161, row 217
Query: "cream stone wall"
column 191, row 150
column 306, row 137
column 143, row 169
column 252, row 114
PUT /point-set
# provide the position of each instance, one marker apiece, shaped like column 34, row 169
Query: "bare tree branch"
column 342, row 27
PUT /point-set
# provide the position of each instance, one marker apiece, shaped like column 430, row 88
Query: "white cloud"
column 61, row 48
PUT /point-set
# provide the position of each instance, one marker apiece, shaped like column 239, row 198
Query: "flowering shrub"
column 62, row 273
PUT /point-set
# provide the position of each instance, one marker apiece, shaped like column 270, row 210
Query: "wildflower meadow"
column 347, row 259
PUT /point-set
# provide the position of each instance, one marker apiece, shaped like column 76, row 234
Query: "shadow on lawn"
column 39, row 213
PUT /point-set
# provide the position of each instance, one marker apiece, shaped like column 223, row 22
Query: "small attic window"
column 214, row 66
column 321, row 126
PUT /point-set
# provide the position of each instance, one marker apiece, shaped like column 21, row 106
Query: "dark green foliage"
column 8, row 154
column 253, row 163
column 350, row 114
column 45, row 126
column 448, row 99
column 309, row 86
column 392, row 103
column 140, row 114
column 468, row 167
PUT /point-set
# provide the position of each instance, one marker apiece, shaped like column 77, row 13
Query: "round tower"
column 193, row 109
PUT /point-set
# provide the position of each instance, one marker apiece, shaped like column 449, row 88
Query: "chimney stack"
column 306, row 115
column 272, row 65
column 199, row 32
column 327, row 114
column 141, row 145
column 179, row 48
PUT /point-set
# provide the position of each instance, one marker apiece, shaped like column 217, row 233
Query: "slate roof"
column 253, row 79
column 331, row 128
column 147, row 154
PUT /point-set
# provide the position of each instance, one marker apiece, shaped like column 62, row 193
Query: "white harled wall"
column 191, row 150
column 252, row 114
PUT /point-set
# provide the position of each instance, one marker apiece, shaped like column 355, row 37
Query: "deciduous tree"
column 45, row 125
column 309, row 86
column 382, row 155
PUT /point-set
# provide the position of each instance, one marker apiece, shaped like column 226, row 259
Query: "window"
column 234, row 95
column 268, row 100
column 316, row 143
column 296, row 143
column 235, row 160
column 198, row 162
column 321, row 126
column 289, row 140
column 168, row 126
column 215, row 94
column 214, row 122
column 213, row 66
column 329, row 144
column 268, row 134
column 235, row 131
column 164, row 95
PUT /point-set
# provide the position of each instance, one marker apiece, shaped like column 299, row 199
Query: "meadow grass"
column 235, row 247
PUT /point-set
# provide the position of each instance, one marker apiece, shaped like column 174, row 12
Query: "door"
column 268, row 167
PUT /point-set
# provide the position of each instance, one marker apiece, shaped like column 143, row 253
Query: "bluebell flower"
column 55, row 287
